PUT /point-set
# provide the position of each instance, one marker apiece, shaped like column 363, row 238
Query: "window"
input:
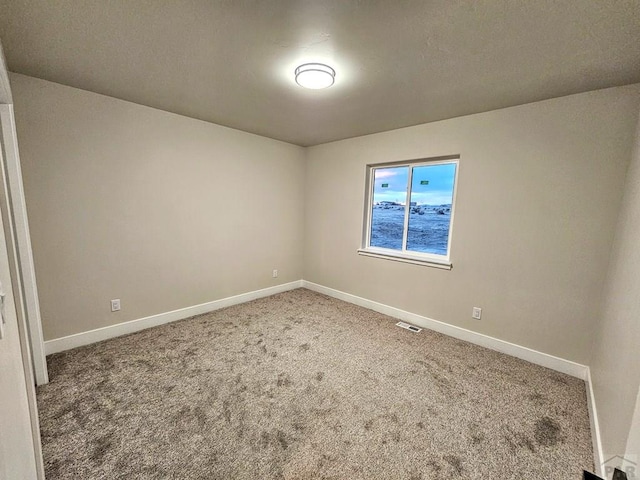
column 409, row 211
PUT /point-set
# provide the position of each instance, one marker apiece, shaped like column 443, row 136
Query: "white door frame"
column 22, row 241
column 16, row 317
column 11, row 193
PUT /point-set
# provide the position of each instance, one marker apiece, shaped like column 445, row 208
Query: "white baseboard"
column 528, row 354
column 549, row 361
column 524, row 353
column 598, row 456
column 85, row 338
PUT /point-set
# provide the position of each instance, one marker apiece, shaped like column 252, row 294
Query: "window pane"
column 389, row 200
column 430, row 209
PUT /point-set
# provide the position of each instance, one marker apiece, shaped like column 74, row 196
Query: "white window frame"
column 407, row 256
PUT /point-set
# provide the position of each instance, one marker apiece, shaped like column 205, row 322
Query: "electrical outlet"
column 115, row 305
column 275, row 273
column 476, row 313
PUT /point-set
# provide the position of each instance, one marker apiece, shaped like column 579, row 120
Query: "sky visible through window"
column 438, row 191
column 429, row 209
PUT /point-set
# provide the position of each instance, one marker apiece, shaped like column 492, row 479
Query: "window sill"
column 415, row 260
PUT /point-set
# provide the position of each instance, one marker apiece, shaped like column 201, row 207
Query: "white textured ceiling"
column 398, row 63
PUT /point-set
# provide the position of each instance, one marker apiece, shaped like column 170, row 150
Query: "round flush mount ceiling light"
column 315, row 76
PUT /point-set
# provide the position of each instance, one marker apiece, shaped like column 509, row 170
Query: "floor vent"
column 411, row 328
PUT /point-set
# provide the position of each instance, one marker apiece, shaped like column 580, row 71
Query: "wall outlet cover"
column 115, row 305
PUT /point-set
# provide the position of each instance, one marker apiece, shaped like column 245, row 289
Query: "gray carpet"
column 302, row 386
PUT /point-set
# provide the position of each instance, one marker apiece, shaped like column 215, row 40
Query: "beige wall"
column 616, row 360
column 166, row 212
column 539, row 190
column 159, row 210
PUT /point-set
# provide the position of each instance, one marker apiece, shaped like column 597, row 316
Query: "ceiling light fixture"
column 315, row 76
